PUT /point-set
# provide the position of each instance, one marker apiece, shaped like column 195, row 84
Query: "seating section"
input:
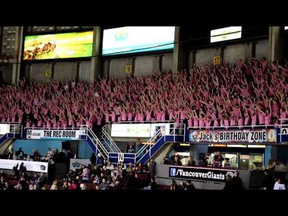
column 248, row 93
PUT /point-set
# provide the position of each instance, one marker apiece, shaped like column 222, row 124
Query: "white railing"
column 240, row 127
column 144, row 122
column 175, row 130
column 153, row 140
column 107, row 138
column 99, row 146
column 14, row 128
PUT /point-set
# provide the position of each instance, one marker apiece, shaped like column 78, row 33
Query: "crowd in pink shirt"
column 248, row 93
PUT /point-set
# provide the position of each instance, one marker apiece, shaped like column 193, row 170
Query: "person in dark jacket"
column 237, row 183
column 269, row 180
column 93, row 159
column 228, row 184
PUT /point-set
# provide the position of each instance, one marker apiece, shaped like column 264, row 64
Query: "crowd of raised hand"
column 247, row 93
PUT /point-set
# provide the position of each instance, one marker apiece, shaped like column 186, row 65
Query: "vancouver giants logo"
column 198, row 173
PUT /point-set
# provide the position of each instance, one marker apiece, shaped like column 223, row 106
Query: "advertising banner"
column 198, row 173
column 139, row 130
column 55, row 134
column 234, row 136
column 124, row 40
column 31, row 166
column 78, row 163
column 58, row 46
column 131, row 130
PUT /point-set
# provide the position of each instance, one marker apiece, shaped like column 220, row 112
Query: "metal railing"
column 177, row 129
column 108, row 139
column 152, row 141
column 99, row 146
column 16, row 128
column 240, row 127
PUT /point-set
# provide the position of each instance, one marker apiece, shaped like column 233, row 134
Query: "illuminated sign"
column 139, row 130
column 57, row 46
column 130, row 39
column 224, row 34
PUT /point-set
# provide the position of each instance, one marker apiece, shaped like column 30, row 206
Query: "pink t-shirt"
column 190, row 122
column 195, row 122
column 123, row 116
column 240, row 122
column 130, row 116
column 254, row 119
column 268, row 119
column 261, row 117
column 148, row 115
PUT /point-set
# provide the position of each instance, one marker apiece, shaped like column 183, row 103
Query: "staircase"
column 7, row 139
column 177, row 134
column 96, row 143
column 108, row 141
column 15, row 132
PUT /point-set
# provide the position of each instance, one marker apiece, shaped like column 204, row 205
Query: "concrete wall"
column 65, row 71
column 205, row 56
column 144, row 65
column 117, row 68
column 262, row 49
column 233, row 53
column 37, row 72
column 84, row 71
column 167, row 62
column 6, row 73
column 106, row 68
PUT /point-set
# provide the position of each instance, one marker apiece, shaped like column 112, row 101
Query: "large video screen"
column 58, row 46
column 124, row 40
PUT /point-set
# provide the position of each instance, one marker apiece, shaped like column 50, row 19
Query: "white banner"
column 139, row 130
column 4, row 129
column 234, row 136
column 31, row 166
column 132, row 39
column 78, row 163
column 55, row 134
column 130, row 130
column 223, row 34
